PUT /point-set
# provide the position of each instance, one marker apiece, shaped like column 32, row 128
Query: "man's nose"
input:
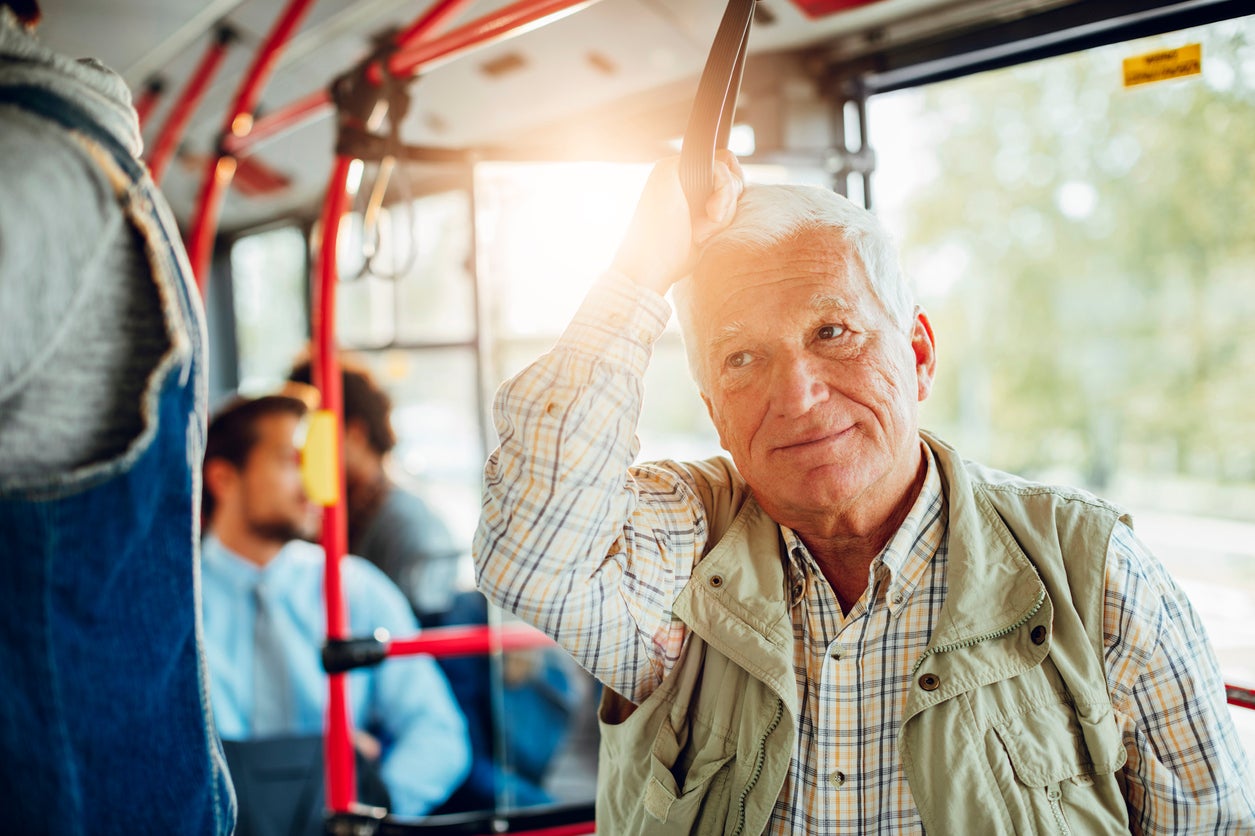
column 797, row 386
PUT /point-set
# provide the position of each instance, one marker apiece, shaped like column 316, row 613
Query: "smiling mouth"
column 813, row 443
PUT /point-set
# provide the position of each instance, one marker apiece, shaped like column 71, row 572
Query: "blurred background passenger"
column 104, row 722
column 390, row 525
column 265, row 622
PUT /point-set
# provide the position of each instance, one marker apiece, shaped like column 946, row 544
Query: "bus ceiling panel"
column 568, row 67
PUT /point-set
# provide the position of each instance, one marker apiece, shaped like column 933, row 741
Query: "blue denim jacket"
column 105, row 723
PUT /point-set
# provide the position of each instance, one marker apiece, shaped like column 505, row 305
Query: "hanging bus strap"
column 710, row 120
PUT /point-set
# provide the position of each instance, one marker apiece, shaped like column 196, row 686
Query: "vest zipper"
column 1056, row 807
column 997, row 634
column 758, row 768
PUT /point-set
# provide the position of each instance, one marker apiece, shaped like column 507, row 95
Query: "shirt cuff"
column 618, row 322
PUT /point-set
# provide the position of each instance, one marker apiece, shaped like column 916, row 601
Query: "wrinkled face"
column 273, row 498
column 812, row 385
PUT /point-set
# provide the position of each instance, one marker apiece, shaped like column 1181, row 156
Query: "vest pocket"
column 681, row 781
column 1062, row 757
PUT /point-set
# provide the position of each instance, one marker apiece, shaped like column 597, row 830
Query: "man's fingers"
column 721, row 205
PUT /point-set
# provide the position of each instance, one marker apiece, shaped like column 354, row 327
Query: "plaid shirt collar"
column 901, row 574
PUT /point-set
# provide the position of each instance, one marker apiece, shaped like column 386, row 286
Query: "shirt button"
column 897, row 599
column 837, row 778
column 716, row 581
column 1038, row 635
column 836, row 652
column 930, row 682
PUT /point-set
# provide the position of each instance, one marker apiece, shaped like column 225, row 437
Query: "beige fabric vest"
column 1001, row 733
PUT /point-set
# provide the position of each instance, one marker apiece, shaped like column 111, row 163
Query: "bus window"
column 1085, row 253
column 270, row 299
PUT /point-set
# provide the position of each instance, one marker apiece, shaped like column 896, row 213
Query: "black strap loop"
column 710, row 120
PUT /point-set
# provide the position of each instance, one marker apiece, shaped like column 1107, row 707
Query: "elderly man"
column 847, row 628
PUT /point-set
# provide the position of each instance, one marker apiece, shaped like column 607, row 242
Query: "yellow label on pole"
column 1163, row 65
column 320, row 459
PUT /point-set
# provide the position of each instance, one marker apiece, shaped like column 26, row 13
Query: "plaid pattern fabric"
column 853, row 675
column 593, row 550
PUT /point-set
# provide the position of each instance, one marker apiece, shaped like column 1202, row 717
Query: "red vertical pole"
column 176, row 123
column 221, row 169
column 325, row 367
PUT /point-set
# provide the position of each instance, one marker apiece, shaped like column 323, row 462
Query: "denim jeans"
column 105, row 722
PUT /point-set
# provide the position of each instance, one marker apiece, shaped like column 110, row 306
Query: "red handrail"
column 471, row 640
column 419, row 54
column 220, row 169
column 436, row 16
column 325, row 371
column 1239, row 696
column 277, row 121
column 527, row 14
column 171, row 132
column 515, row 19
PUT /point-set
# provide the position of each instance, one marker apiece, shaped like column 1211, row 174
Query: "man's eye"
column 829, row 332
column 739, row 359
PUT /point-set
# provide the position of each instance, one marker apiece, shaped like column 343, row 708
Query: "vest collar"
column 993, row 591
column 736, row 601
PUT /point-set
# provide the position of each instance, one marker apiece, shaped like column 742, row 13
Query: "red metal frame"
column 278, row 121
column 325, row 366
column 1239, row 696
column 171, row 132
column 415, row 54
column 527, row 14
column 515, row 19
column 471, row 641
column 220, row 168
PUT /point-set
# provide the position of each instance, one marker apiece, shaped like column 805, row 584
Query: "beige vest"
column 1008, row 728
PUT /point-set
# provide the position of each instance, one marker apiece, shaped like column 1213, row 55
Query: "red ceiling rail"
column 147, row 101
column 415, row 55
column 281, row 120
column 171, row 132
column 220, row 168
column 515, row 19
column 436, row 16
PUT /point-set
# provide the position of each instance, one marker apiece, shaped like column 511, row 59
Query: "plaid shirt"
column 593, row 550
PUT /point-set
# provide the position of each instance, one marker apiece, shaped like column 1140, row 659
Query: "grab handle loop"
column 710, row 120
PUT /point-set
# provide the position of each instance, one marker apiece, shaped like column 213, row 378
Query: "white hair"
column 767, row 217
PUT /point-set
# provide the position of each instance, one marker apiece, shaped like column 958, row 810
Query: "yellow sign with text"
column 1163, row 65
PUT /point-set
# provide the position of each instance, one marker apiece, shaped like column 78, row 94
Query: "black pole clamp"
column 340, row 655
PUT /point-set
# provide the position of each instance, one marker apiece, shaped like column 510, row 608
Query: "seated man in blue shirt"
column 265, row 623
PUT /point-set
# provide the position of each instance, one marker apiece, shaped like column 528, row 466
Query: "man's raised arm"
column 573, row 538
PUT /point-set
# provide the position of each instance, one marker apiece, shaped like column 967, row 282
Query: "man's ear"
column 221, row 478
column 924, row 346
column 710, row 410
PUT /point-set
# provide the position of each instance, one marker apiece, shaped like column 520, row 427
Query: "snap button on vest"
column 929, row 681
column 716, row 581
column 1038, row 635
